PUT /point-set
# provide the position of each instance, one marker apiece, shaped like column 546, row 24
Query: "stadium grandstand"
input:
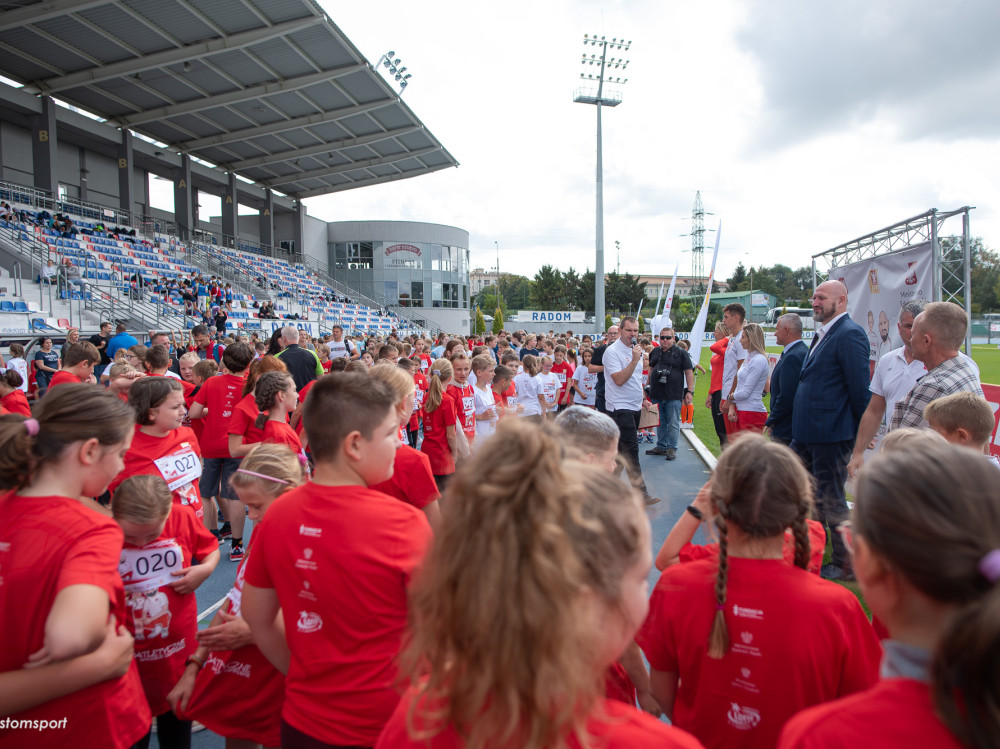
column 261, row 103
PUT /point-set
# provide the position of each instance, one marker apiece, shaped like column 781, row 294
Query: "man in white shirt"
column 733, row 316
column 340, row 347
column 895, row 375
column 623, row 397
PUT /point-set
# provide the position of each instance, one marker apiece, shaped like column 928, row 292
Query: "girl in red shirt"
column 227, row 663
column 162, row 542
column 276, row 398
column 485, row 673
column 925, row 542
column 60, row 575
column 739, row 643
column 12, row 398
column 161, row 446
column 440, row 433
column 464, row 396
column 419, row 396
column 243, row 431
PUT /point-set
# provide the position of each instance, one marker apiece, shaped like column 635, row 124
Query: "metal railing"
column 43, row 200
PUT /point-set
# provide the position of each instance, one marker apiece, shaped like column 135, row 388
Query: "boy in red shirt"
column 502, row 378
column 463, row 395
column 336, row 559
column 214, row 403
column 78, row 366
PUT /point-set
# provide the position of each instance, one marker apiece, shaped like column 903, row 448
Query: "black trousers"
column 717, row 418
column 827, row 462
column 171, row 733
column 628, row 445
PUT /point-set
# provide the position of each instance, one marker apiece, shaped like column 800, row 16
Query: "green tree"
column 480, row 322
column 739, row 281
column 498, row 320
column 608, row 322
column 515, row 291
column 642, row 324
column 547, row 289
column 622, row 291
column 585, row 291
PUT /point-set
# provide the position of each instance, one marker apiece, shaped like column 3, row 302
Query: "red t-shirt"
column 302, row 399
column 279, row 433
column 256, row 715
column 16, row 402
column 613, row 726
column 243, row 418
column 179, row 457
column 795, row 641
column 817, row 547
column 419, row 396
column 893, row 714
column 340, row 559
column 465, row 407
column 326, row 365
column 510, row 397
column 64, row 377
column 564, row 373
column 435, row 443
column 718, row 350
column 46, row 545
column 163, row 621
column 425, row 362
column 219, row 395
column 412, row 479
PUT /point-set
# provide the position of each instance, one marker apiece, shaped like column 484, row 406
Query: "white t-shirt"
column 527, row 389
column 340, row 349
column 627, row 397
column 586, row 384
column 893, row 379
column 735, row 353
column 550, row 387
column 20, row 366
column 485, row 402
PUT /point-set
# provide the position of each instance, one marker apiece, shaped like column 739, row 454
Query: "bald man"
column 830, row 400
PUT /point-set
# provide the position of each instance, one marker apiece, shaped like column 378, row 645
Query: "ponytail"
column 71, row 413
column 440, row 373
column 531, row 365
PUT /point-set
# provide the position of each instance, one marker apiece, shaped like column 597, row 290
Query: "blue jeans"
column 669, row 431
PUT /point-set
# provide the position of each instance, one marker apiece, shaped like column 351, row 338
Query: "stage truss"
column 952, row 258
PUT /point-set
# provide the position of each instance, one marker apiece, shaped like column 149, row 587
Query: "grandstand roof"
column 270, row 89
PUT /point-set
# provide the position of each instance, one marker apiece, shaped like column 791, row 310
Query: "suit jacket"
column 833, row 386
column 784, row 383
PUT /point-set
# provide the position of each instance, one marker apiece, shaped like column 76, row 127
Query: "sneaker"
column 837, row 573
column 671, row 453
column 650, row 500
column 226, row 530
column 656, row 451
column 687, row 425
column 650, row 438
column 236, row 553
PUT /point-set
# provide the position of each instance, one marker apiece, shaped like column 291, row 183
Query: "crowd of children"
column 443, row 555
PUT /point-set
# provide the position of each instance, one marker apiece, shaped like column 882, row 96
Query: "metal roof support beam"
column 126, row 174
column 280, row 127
column 246, row 94
column 171, row 56
column 45, row 11
column 333, row 145
column 184, row 203
column 267, row 219
column 45, row 148
column 366, row 182
column 361, row 164
column 231, row 207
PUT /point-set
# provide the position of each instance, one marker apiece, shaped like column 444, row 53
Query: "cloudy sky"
column 803, row 124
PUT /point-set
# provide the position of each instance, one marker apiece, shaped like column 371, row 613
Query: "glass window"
column 417, row 293
column 391, row 291
column 340, row 255
column 435, row 257
column 465, row 297
column 404, row 293
column 436, row 295
column 359, row 255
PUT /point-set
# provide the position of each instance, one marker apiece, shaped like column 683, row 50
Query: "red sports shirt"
column 465, row 407
column 564, row 373
column 340, row 559
column 174, row 458
column 795, row 641
column 17, row 403
column 219, row 395
column 613, row 726
column 164, row 622
column 46, row 545
column 412, row 479
column 242, row 421
column 64, row 377
column 435, row 444
column 256, row 715
column 817, row 547
column 419, row 396
column 893, row 714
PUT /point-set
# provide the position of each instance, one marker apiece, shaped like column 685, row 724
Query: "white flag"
column 698, row 329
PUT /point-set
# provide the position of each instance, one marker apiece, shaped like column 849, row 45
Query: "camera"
column 663, row 376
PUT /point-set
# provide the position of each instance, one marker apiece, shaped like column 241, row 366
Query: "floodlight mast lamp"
column 396, row 70
column 599, row 59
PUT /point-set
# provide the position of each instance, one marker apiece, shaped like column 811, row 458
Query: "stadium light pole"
column 396, row 70
column 604, row 65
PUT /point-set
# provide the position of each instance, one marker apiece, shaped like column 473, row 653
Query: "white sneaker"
column 687, row 426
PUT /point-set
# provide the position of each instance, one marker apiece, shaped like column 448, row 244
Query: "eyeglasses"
column 844, row 529
column 666, row 337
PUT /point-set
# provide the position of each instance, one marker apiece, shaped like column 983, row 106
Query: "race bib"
column 418, row 399
column 149, row 568
column 179, row 468
column 561, row 376
column 469, row 404
column 512, row 401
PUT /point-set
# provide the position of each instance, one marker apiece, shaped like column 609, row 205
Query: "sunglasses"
column 666, row 337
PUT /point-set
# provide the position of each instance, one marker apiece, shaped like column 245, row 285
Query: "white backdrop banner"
column 879, row 286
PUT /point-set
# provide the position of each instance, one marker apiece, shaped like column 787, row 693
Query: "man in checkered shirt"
column 938, row 332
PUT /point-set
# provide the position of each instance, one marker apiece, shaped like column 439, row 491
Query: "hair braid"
column 800, row 530
column 266, row 391
column 718, row 639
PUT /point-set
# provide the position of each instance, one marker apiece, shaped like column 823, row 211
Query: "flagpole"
column 698, row 329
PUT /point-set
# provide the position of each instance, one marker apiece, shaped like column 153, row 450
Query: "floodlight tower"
column 698, row 240
column 599, row 72
column 396, row 71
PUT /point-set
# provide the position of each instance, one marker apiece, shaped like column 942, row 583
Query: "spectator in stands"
column 6, row 212
column 121, row 339
column 100, row 341
column 219, row 318
column 46, row 365
column 72, row 336
column 49, row 272
column 73, row 275
column 303, row 365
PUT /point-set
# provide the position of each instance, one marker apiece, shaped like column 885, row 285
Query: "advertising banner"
column 992, row 393
column 879, row 286
column 527, row 315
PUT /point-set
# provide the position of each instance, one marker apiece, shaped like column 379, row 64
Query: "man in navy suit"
column 785, row 378
column 829, row 402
